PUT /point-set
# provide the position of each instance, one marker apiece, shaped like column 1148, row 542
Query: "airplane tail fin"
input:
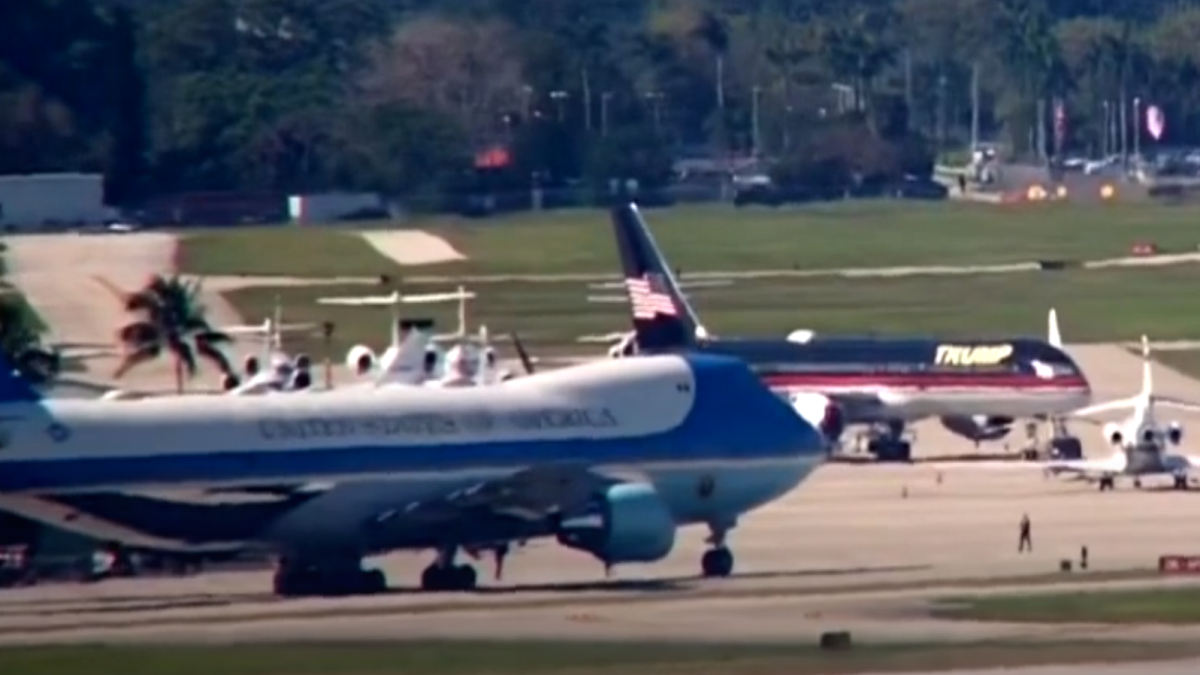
column 662, row 317
column 1147, row 369
column 14, row 388
column 1053, row 334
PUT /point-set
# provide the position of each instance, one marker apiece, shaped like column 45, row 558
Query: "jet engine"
column 1174, row 433
column 1147, row 435
column 979, row 428
column 628, row 523
column 229, row 382
column 301, row 380
column 361, row 359
column 251, row 366
column 821, row 412
column 1114, row 435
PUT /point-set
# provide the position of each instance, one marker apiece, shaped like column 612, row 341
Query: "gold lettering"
column 962, row 355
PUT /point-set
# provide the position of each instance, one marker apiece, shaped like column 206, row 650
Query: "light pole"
column 655, row 98
column 1137, row 128
column 755, row 128
column 526, row 102
column 604, row 100
column 1104, row 135
column 560, row 98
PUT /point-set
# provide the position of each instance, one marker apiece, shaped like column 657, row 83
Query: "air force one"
column 1140, row 442
column 609, row 458
column 976, row 387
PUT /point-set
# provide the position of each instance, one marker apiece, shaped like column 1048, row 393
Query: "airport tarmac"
column 847, row 526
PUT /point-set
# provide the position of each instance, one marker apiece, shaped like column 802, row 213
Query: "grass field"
column 1163, row 606
column 500, row 658
column 1093, row 305
column 859, row 234
column 1184, row 360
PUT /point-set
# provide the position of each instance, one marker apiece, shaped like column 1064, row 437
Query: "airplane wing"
column 1106, row 407
column 531, row 495
column 420, row 298
column 363, row 301
column 1085, row 468
column 1176, row 404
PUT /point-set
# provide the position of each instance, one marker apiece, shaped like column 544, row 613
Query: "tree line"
column 404, row 96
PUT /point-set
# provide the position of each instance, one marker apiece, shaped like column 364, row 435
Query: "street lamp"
column 526, row 102
column 604, row 100
column 755, row 129
column 655, row 98
column 1104, row 135
column 560, row 97
column 1137, row 128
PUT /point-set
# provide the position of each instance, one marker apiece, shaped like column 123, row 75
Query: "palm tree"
column 21, row 344
column 170, row 318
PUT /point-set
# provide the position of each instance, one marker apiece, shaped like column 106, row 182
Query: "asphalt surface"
column 847, row 526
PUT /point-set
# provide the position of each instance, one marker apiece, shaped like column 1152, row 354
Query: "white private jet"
column 411, row 357
column 274, row 370
column 1140, row 442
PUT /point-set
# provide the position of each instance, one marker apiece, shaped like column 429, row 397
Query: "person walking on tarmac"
column 1026, row 542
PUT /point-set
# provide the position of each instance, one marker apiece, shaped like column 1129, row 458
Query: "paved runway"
column 849, row 525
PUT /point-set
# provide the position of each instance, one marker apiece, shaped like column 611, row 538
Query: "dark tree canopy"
column 400, row 95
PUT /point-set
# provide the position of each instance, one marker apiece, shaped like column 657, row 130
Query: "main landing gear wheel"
column 1106, row 483
column 448, row 578
column 292, row 582
column 1181, row 482
column 717, row 562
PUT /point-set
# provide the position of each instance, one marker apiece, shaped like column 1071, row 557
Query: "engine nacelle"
column 979, row 427
column 251, row 366
column 1147, row 435
column 1175, row 433
column 1113, row 435
column 301, row 380
column 801, row 335
column 229, row 382
column 361, row 359
column 821, row 412
column 629, row 523
column 302, row 362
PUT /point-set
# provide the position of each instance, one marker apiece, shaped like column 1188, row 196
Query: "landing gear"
column 889, row 444
column 448, row 578
column 1181, row 482
column 445, row 575
column 1137, row 483
column 1106, row 483
column 717, row 562
column 299, row 578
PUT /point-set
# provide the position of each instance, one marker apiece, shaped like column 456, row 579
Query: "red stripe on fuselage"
column 924, row 381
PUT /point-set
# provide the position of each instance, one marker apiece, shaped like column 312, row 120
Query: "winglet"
column 1053, row 334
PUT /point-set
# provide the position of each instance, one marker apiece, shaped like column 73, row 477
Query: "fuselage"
column 919, row 377
column 674, row 422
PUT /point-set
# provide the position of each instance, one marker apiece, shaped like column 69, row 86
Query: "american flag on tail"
column 649, row 297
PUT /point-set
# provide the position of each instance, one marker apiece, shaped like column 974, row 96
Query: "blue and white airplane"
column 609, row 458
